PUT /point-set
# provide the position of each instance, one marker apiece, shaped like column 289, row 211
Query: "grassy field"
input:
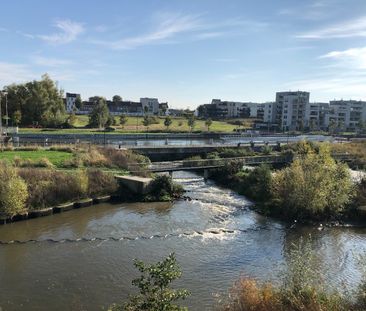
column 55, row 157
column 134, row 124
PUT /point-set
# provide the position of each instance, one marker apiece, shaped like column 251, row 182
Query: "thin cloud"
column 10, row 73
column 68, row 32
column 50, row 62
column 353, row 28
column 351, row 58
column 168, row 26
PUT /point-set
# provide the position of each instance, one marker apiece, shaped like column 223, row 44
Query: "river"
column 215, row 236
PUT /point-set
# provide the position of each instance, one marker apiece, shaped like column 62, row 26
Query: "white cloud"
column 167, row 26
column 15, row 73
column 50, row 62
column 68, row 32
column 354, row 58
column 352, row 28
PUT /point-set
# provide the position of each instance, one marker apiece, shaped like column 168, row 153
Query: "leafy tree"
column 332, row 126
column 71, row 120
column 111, row 121
column 100, row 114
column 13, row 191
column 168, row 122
column 155, row 294
column 146, row 110
column 116, row 98
column 146, row 122
column 191, row 122
column 17, row 117
column 38, row 102
column 313, row 187
column 208, row 124
column 122, row 120
column 78, row 102
column 312, row 125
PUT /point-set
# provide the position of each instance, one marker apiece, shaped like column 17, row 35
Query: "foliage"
column 78, row 102
column 116, row 98
column 191, row 121
column 36, row 102
column 153, row 284
column 167, row 121
column 208, row 124
column 162, row 188
column 100, row 183
column 13, row 191
column 313, row 187
column 301, row 289
column 122, row 120
column 100, row 114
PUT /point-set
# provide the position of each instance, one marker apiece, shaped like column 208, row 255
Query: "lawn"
column 134, row 124
column 55, row 157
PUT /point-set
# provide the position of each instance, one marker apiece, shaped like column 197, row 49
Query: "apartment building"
column 345, row 114
column 150, row 105
column 290, row 112
column 219, row 109
column 70, row 102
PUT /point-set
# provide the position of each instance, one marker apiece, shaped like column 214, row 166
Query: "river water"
column 215, row 236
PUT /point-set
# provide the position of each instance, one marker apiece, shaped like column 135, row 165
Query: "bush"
column 13, row 191
column 162, row 188
column 154, row 282
column 313, row 187
column 101, row 183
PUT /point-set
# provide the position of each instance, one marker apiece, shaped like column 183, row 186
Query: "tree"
column 313, row 187
column 13, row 191
column 111, row 121
column 168, row 122
column 191, row 122
column 208, row 124
column 38, row 102
column 71, row 120
column 99, row 115
column 116, row 98
column 78, row 102
column 154, row 282
column 312, row 124
column 146, row 122
column 17, row 117
column 122, row 120
column 332, row 126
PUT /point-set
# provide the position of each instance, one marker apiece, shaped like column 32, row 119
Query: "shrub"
column 13, row 191
column 313, row 187
column 162, row 188
column 101, row 183
column 154, row 282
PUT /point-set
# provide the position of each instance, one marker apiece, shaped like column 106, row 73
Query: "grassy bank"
column 134, row 125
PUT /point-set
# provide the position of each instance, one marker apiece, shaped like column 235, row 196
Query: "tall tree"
column 146, row 122
column 122, row 120
column 100, row 114
column 167, row 122
column 116, row 98
column 78, row 102
column 208, row 124
column 191, row 122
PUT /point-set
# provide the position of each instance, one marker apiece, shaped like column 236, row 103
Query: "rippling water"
column 82, row 259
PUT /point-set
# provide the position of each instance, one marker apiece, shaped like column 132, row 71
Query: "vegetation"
column 302, row 289
column 356, row 149
column 13, row 191
column 36, row 103
column 154, row 286
column 163, row 188
column 313, row 187
column 100, row 114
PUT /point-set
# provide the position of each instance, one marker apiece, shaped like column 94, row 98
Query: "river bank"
column 83, row 259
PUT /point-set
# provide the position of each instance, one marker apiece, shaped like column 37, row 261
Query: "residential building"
column 150, row 105
column 70, row 102
column 345, row 114
column 315, row 114
column 290, row 109
column 219, row 109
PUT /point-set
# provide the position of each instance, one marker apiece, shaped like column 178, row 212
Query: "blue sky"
column 189, row 51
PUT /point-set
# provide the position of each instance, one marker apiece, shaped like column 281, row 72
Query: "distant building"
column 219, row 109
column 290, row 109
column 70, row 102
column 345, row 114
column 150, row 105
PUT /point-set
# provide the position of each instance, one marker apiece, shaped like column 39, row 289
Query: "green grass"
column 134, row 124
column 55, row 157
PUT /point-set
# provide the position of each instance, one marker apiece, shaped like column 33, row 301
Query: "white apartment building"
column 345, row 114
column 152, row 105
column 290, row 110
column 315, row 114
column 70, row 102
